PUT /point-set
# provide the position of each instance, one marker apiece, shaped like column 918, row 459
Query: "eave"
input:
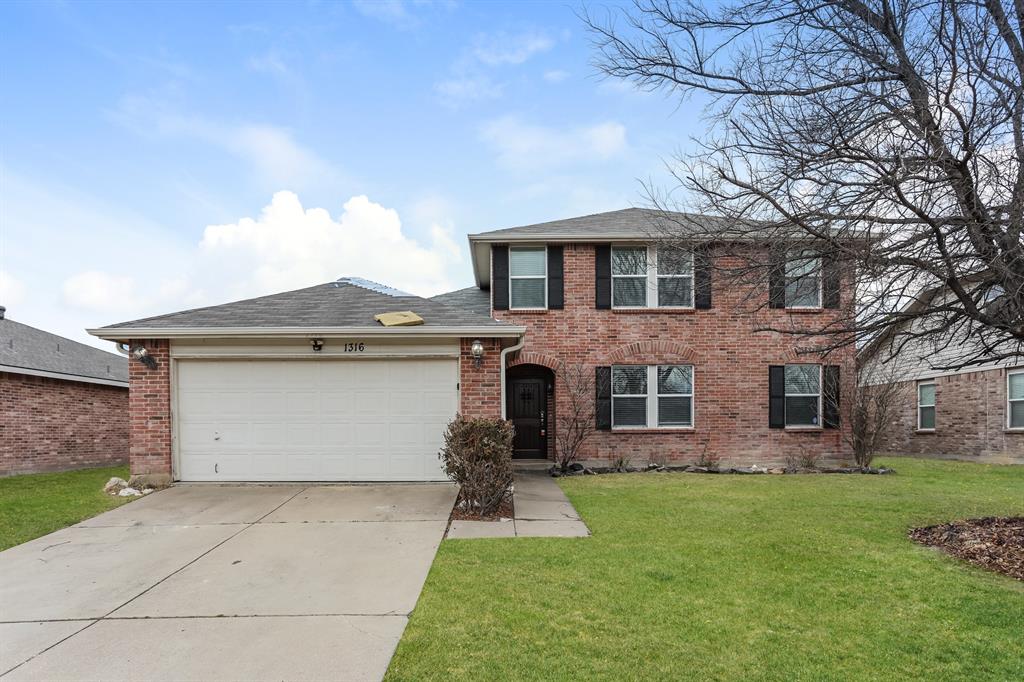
column 126, row 333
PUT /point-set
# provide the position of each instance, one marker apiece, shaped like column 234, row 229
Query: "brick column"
column 149, row 412
column 480, row 386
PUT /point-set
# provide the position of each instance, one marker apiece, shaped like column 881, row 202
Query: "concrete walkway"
column 541, row 511
column 210, row 582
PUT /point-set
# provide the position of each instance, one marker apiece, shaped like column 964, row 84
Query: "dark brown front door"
column 528, row 410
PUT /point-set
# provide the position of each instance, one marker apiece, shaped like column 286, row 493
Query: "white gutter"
column 504, row 354
column 118, row 334
column 61, row 375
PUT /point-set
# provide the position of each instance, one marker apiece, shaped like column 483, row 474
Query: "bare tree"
column 575, row 413
column 884, row 136
column 875, row 403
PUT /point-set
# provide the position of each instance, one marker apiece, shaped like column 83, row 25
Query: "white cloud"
column 504, row 48
column 523, row 146
column 271, row 63
column 12, row 289
column 458, row 90
column 398, row 13
column 271, row 151
column 98, row 291
column 555, row 75
column 287, row 246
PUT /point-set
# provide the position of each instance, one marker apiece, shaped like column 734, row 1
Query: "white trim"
column 933, row 406
column 658, row 396
column 544, row 277
column 818, row 273
column 504, row 331
column 503, row 358
column 645, row 395
column 651, row 399
column 786, row 395
column 652, row 280
column 1009, row 373
column 60, row 375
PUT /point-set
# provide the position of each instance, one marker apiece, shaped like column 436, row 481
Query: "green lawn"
column 36, row 504
column 731, row 577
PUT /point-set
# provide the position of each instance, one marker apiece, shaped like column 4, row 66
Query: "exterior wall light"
column 318, row 345
column 477, row 349
column 142, row 355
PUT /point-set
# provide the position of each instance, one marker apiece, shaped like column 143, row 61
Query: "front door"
column 528, row 403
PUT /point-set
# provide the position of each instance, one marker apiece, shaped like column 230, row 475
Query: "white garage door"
column 313, row 420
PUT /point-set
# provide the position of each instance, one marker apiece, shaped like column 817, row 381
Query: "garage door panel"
column 272, row 420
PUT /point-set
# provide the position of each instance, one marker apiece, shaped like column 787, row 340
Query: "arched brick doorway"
column 530, row 396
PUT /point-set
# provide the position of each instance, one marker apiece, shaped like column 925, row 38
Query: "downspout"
column 504, row 354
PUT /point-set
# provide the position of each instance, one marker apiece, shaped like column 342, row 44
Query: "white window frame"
column 785, row 280
column 786, row 395
column 658, row 395
column 651, row 398
column 653, row 279
column 523, row 247
column 935, row 411
column 1009, row 424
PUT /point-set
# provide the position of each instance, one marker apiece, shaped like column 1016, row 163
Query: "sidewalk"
column 541, row 511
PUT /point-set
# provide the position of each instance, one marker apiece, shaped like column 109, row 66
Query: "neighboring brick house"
column 307, row 385
column 63, row 405
column 974, row 413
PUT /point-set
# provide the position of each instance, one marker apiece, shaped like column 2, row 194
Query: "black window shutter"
column 702, row 264
column 777, row 396
column 603, row 276
column 556, row 290
column 830, row 399
column 829, row 282
column 603, row 382
column 777, row 278
column 499, row 276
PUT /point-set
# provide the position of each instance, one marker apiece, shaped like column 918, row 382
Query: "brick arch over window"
column 531, row 358
column 650, row 353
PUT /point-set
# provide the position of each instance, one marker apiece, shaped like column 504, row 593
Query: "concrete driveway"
column 204, row 582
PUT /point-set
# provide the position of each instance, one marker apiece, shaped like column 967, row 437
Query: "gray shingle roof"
column 335, row 304
column 473, row 299
column 29, row 348
column 625, row 223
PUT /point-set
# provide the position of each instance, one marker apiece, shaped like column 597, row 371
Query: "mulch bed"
column 504, row 511
column 994, row 543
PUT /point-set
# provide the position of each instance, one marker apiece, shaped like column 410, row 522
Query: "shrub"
column 477, row 455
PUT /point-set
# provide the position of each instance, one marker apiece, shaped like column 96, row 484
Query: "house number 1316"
column 354, row 347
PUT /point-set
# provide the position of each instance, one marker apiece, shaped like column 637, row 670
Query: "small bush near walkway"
column 32, row 505
column 477, row 455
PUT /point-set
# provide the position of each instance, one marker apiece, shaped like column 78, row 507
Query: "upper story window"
column 527, row 277
column 803, row 279
column 803, row 395
column 652, row 396
column 926, row 406
column 1015, row 399
column 651, row 277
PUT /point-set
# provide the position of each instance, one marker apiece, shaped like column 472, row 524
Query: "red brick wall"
column 970, row 421
column 150, row 410
column 54, row 425
column 480, row 387
column 730, row 368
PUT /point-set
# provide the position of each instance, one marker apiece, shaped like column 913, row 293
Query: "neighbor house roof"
column 473, row 299
column 628, row 224
column 347, row 305
column 27, row 350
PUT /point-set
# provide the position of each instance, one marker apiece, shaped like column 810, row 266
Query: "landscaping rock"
column 576, row 468
column 115, row 485
column 129, row 492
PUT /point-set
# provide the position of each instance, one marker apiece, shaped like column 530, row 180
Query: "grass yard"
column 731, row 577
column 32, row 505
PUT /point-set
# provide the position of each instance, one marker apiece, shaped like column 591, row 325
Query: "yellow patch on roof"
column 406, row 318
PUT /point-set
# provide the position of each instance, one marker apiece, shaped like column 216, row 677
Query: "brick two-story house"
column 308, row 385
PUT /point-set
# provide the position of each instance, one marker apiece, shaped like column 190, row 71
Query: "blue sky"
column 155, row 157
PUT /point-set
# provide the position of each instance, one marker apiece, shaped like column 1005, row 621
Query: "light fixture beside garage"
column 142, row 355
column 317, row 344
column 477, row 349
